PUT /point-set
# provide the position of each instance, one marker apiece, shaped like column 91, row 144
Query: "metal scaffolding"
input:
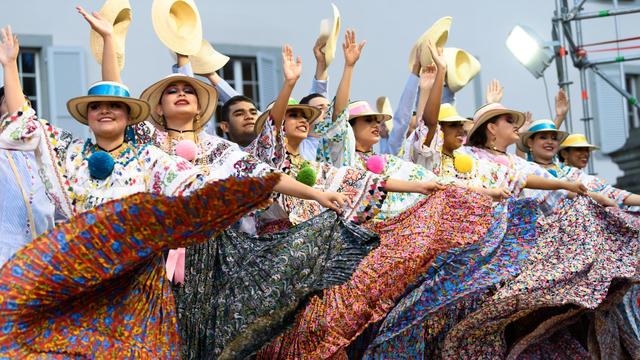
column 570, row 42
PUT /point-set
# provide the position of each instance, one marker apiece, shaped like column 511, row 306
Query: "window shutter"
column 67, row 79
column 608, row 110
column 267, row 78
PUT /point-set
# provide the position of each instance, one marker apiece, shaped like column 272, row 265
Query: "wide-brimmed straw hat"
column 383, row 105
column 207, row 98
column 577, row 141
column 489, row 111
column 438, row 34
column 448, row 113
column 359, row 109
column 118, row 13
column 330, row 32
column 108, row 91
column 309, row 112
column 178, row 25
column 536, row 127
column 461, row 68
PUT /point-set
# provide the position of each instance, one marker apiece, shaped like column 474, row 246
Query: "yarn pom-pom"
column 307, row 175
column 376, row 164
column 100, row 165
column 463, row 163
column 186, row 149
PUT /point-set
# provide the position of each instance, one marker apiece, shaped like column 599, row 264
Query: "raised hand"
column 318, row 49
column 428, row 76
column 351, row 48
column 97, row 22
column 562, row 104
column 9, row 48
column 495, row 91
column 528, row 119
column 291, row 66
column 438, row 56
column 416, row 62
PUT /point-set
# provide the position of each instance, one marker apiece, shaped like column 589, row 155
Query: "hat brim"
column 378, row 116
column 580, row 145
column 462, row 67
column 517, row 116
column 138, row 109
column 188, row 43
column 332, row 36
column 522, row 144
column 207, row 99
column 455, row 118
column 438, row 34
column 310, row 113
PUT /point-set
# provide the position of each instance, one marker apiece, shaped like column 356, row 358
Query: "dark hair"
column 1, row 93
column 224, row 112
column 305, row 100
column 479, row 137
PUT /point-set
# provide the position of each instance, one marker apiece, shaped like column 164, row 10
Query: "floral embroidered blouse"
column 65, row 173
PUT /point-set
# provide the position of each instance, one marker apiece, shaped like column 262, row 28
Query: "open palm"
column 97, row 22
column 351, row 48
column 9, row 47
column 291, row 66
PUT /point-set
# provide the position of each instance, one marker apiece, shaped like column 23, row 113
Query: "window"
column 242, row 74
column 632, row 83
column 29, row 70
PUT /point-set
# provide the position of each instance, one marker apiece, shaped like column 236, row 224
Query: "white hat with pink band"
column 361, row 109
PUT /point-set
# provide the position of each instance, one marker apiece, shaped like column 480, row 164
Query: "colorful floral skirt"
column 408, row 245
column 457, row 282
column 95, row 287
column 240, row 291
column 584, row 260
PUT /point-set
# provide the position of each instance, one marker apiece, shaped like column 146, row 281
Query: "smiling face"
column 296, row 126
column 179, row 101
column 454, row 135
column 107, row 119
column 576, row 156
column 544, row 145
column 366, row 130
column 505, row 130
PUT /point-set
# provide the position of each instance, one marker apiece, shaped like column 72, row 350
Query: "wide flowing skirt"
column 241, row 292
column 408, row 244
column 95, row 286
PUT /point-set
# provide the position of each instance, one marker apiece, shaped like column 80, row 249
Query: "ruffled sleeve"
column 337, row 141
column 417, row 152
column 269, row 146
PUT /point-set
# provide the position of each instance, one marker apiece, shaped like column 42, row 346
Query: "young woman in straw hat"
column 102, row 271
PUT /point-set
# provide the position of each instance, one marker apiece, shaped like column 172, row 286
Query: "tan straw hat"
column 331, row 33
column 118, row 13
column 177, row 24
column 310, row 113
column 383, row 105
column 489, row 111
column 207, row 98
column 207, row 60
column 461, row 68
column 438, row 34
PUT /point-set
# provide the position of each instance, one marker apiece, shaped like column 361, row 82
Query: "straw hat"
column 461, row 68
column 330, row 32
column 207, row 98
column 359, row 109
column 108, row 91
column 577, row 141
column 309, row 112
column 489, row 111
column 117, row 12
column 177, row 24
column 536, row 127
column 383, row 105
column 448, row 113
column 207, row 60
column 438, row 34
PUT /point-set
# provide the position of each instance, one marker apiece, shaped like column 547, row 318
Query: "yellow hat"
column 331, row 33
column 117, row 12
column 577, row 140
column 438, row 34
column 461, row 68
column 177, row 24
column 384, row 106
column 448, row 113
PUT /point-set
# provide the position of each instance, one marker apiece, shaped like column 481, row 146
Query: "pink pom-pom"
column 186, row 149
column 376, row 164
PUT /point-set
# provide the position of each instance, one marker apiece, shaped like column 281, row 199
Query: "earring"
column 196, row 119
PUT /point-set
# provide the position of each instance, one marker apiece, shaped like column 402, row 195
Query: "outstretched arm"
column 291, row 68
column 9, row 49
column 541, row 183
column 330, row 200
column 352, row 51
column 562, row 108
column 432, row 108
column 110, row 68
column 403, row 186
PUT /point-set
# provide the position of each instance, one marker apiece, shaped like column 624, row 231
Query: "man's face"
column 242, row 121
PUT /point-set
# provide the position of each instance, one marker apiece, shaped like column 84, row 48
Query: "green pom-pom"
column 307, row 176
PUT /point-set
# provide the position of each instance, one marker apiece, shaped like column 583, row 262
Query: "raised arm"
column 494, row 92
column 432, row 107
column 9, row 49
column 562, row 108
column 291, row 69
column 110, row 69
column 322, row 69
column 352, row 51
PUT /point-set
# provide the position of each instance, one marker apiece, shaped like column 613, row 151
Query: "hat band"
column 543, row 127
column 360, row 109
column 108, row 90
